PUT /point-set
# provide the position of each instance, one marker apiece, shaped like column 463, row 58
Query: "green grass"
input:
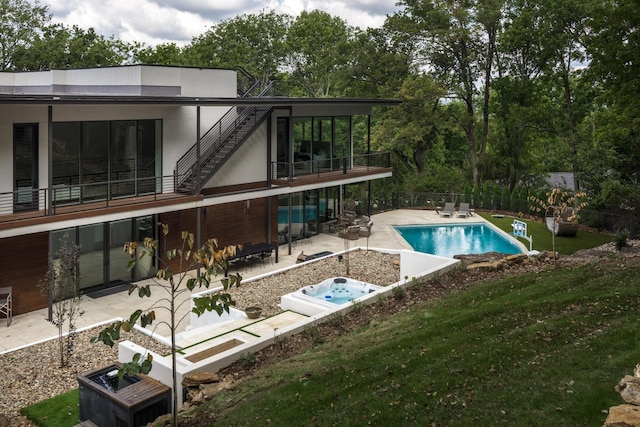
column 542, row 237
column 544, row 348
column 59, row 411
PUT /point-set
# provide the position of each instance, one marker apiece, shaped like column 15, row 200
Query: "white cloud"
column 158, row 21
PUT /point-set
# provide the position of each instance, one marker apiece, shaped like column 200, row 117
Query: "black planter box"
column 132, row 401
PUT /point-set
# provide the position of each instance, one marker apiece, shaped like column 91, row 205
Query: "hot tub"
column 326, row 295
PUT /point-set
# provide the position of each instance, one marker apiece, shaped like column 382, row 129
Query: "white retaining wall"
column 412, row 265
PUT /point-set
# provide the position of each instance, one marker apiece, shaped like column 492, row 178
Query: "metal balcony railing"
column 337, row 165
column 40, row 202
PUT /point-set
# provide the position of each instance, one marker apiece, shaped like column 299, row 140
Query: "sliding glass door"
column 106, row 159
column 103, row 263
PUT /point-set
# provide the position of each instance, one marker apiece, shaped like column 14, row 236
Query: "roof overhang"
column 186, row 101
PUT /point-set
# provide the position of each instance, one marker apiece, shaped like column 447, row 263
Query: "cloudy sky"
column 158, row 21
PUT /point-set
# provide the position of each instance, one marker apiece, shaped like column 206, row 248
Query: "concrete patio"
column 27, row 329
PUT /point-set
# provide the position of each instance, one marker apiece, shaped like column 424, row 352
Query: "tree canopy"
column 501, row 91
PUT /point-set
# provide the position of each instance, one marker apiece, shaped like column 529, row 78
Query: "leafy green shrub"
column 620, row 239
column 399, row 292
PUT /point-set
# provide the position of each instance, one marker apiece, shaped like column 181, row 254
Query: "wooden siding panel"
column 238, row 222
column 23, row 264
column 233, row 223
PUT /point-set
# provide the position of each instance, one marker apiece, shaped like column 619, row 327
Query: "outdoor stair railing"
column 217, row 145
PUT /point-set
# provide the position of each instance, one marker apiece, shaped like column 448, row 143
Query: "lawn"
column 542, row 237
column 540, row 348
column 59, row 411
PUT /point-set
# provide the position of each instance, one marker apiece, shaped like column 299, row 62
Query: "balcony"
column 71, row 200
column 327, row 170
column 27, row 206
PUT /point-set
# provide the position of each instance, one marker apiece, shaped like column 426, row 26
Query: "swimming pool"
column 450, row 240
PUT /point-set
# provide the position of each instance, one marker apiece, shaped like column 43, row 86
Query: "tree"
column 21, row 22
column 162, row 54
column 563, row 206
column 254, row 42
column 207, row 260
column 61, row 285
column 422, row 137
column 613, row 43
column 319, row 48
column 59, row 47
column 455, row 41
column 379, row 64
column 561, row 26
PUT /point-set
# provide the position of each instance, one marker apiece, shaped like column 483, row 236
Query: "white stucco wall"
column 20, row 114
column 248, row 164
column 137, row 79
column 179, row 130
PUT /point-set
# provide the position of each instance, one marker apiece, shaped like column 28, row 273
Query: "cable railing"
column 29, row 202
column 338, row 165
column 218, row 141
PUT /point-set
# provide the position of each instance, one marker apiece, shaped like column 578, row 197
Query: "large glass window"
column 302, row 139
column 119, row 234
column 102, row 260
column 92, row 257
column 283, row 150
column 25, row 168
column 123, row 158
column 147, row 156
column 342, row 137
column 321, row 139
column 66, row 162
column 97, row 160
column 145, row 265
column 95, row 152
column 304, row 218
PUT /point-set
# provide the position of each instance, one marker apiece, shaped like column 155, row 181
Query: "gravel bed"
column 367, row 266
column 32, row 374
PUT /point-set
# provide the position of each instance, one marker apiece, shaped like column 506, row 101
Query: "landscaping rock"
column 198, row 378
column 197, row 395
column 629, row 389
column 208, row 390
column 491, row 266
column 516, row 259
column 623, row 416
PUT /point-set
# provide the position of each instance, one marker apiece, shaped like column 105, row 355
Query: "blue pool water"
column 450, row 240
column 339, row 290
column 296, row 214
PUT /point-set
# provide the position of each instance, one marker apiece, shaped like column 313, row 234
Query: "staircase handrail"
column 245, row 80
column 216, row 135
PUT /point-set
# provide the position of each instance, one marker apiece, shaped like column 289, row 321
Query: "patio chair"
column 6, row 307
column 464, row 210
column 449, row 208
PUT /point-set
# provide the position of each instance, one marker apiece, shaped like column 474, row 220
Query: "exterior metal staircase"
column 196, row 167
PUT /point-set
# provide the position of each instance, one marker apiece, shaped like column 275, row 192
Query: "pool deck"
column 31, row 328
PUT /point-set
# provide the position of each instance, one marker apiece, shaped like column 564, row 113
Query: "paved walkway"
column 30, row 328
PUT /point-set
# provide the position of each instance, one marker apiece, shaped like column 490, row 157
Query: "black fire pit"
column 110, row 401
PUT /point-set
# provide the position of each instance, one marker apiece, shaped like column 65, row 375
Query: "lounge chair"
column 6, row 305
column 448, row 209
column 464, row 210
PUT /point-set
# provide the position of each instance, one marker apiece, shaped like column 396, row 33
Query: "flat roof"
column 28, row 99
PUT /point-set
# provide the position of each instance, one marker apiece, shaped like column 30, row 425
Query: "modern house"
column 102, row 155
